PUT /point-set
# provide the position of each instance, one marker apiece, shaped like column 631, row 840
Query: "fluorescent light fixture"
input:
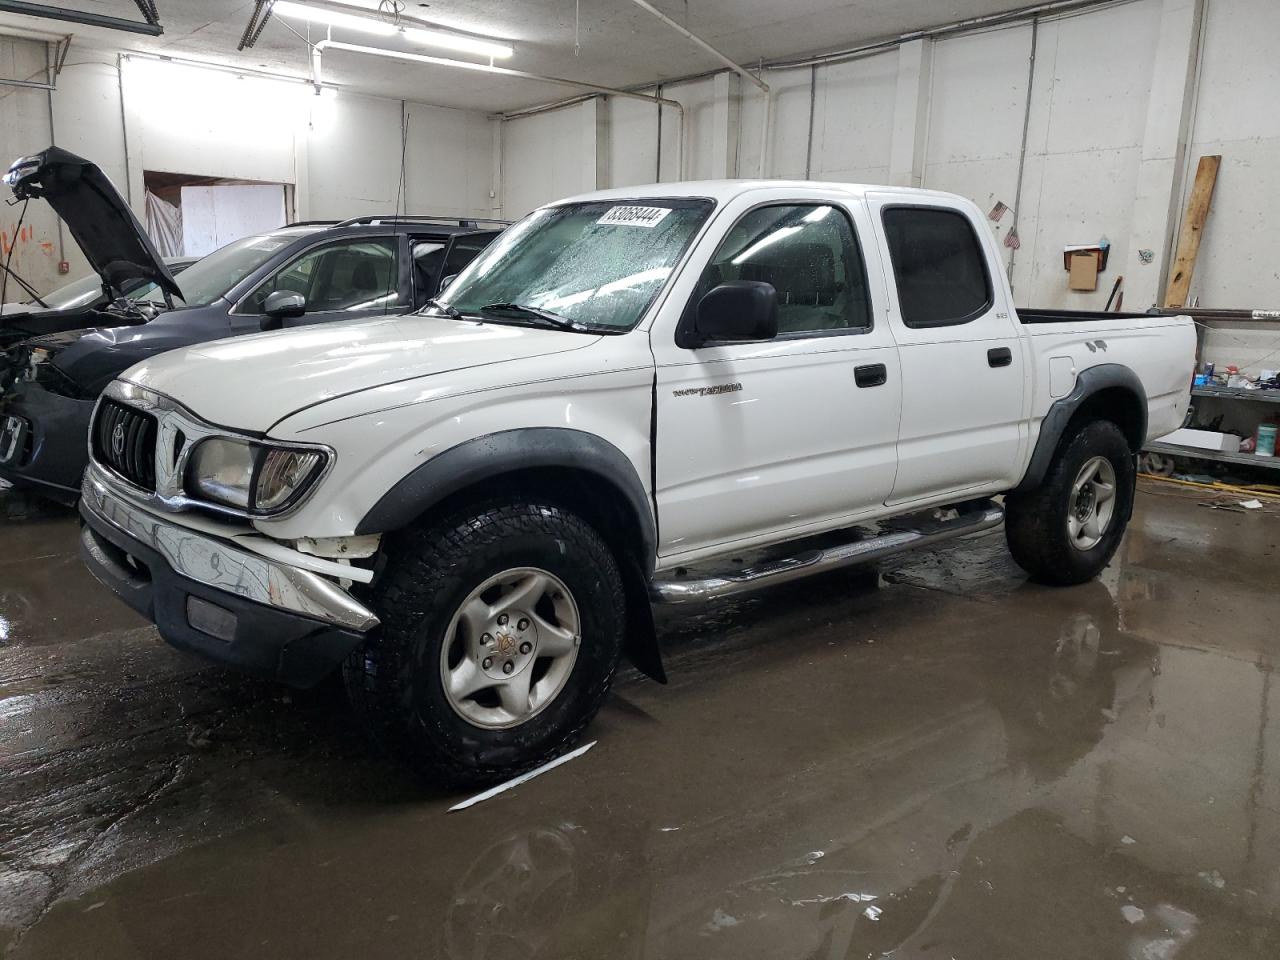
column 382, row 28
column 334, row 18
column 454, row 41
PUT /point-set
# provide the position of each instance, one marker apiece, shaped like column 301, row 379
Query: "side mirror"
column 444, row 284
column 282, row 305
column 736, row 312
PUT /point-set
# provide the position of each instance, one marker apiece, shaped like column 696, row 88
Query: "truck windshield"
column 599, row 264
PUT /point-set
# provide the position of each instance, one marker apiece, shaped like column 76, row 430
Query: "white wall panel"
column 1238, row 116
column 632, row 142
column 548, row 156
column 788, row 125
column 853, row 120
column 449, row 162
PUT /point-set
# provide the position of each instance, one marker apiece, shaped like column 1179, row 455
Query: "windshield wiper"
column 449, row 311
column 551, row 319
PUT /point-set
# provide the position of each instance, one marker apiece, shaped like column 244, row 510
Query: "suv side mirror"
column 282, row 305
column 737, row 311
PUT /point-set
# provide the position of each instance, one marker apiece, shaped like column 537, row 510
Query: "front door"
column 758, row 441
column 355, row 278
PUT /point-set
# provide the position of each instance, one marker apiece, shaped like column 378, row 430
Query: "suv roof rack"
column 424, row 218
column 311, row 223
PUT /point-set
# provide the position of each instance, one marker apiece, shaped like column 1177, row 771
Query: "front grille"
column 124, row 439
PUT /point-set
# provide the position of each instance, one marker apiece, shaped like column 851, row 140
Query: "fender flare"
column 510, row 451
column 1105, row 376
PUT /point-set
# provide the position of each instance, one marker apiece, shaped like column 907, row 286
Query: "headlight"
column 254, row 477
column 36, row 365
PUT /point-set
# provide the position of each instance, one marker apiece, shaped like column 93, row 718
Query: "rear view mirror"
column 736, row 312
column 444, row 284
column 282, row 305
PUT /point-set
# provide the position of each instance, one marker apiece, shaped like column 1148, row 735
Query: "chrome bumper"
column 217, row 564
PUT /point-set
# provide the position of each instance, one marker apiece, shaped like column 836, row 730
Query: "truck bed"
column 1075, row 316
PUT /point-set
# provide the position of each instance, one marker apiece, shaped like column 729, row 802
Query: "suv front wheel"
column 502, row 625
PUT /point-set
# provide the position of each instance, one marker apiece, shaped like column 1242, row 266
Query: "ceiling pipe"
column 690, row 35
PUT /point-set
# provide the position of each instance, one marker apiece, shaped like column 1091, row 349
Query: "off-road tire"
column 393, row 681
column 1035, row 523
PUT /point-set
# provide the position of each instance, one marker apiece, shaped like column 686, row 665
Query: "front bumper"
column 207, row 596
column 53, row 453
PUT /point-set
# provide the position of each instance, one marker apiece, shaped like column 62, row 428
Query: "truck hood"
column 250, row 383
column 113, row 241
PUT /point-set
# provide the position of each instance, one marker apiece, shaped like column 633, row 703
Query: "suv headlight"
column 255, row 477
column 35, row 365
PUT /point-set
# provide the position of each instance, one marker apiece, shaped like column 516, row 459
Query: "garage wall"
column 1237, row 116
column 25, row 128
column 1085, row 135
column 549, row 155
column 340, row 151
column 1114, row 117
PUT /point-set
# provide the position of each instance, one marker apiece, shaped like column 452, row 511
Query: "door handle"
column 870, row 375
column 999, row 357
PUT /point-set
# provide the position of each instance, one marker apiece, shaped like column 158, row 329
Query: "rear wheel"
column 1066, row 531
column 502, row 625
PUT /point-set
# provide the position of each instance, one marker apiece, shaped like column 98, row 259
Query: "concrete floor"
column 942, row 762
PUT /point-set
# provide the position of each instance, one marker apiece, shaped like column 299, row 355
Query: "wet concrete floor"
column 938, row 761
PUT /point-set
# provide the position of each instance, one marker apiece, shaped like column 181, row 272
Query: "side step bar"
column 687, row 590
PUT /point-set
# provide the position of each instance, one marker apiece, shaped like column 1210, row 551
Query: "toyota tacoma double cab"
column 650, row 395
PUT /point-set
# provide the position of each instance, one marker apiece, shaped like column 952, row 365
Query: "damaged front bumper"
column 207, row 595
column 42, row 439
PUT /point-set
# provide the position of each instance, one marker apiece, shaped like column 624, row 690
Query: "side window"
column 938, row 264
column 344, row 275
column 810, row 255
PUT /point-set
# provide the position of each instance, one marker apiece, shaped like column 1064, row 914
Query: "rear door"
column 757, row 441
column 964, row 372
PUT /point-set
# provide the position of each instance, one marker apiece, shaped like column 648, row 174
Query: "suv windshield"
column 208, row 279
column 600, row 263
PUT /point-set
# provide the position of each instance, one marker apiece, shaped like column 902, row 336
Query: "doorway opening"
column 190, row 216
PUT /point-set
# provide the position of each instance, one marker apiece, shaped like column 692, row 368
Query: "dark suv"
column 317, row 272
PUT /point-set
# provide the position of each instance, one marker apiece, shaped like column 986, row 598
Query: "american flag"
column 1012, row 240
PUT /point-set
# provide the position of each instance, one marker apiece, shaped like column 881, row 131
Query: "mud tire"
column 1036, row 521
column 393, row 681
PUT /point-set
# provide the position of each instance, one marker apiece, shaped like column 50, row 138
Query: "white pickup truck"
column 658, row 394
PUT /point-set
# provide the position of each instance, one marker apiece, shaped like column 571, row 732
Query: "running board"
column 692, row 590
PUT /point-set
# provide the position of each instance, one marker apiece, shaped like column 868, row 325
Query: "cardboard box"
column 1204, row 440
column 1084, row 272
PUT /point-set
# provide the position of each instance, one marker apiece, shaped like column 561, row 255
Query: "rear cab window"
column 938, row 265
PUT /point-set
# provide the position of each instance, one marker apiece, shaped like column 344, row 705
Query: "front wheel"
column 502, row 625
column 1067, row 530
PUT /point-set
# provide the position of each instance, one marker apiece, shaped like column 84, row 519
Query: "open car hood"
column 113, row 241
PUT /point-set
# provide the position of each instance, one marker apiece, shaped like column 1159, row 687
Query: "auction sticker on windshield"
column 635, row 216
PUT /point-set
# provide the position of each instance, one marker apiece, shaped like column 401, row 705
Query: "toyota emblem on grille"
column 117, row 440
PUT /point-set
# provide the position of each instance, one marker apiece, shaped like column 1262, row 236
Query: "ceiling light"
column 383, row 28
column 334, row 18
column 453, row 41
